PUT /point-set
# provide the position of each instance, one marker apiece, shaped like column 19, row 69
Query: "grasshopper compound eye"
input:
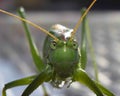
column 75, row 45
column 53, row 44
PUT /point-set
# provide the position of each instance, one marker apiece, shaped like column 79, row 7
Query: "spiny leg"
column 34, row 51
column 33, row 81
column 86, row 33
column 84, row 38
column 81, row 76
column 83, row 53
column 44, row 76
column 104, row 90
column 37, row 59
column 35, row 55
column 20, row 82
column 92, row 54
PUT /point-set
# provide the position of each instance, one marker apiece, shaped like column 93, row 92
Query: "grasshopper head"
column 64, row 55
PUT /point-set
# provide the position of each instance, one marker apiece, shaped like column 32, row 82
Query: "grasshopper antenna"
column 81, row 19
column 31, row 23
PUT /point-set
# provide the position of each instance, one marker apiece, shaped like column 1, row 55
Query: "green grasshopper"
column 63, row 61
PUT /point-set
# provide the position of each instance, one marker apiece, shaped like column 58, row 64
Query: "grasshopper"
column 63, row 61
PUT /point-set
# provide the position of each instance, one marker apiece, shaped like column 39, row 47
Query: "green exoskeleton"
column 63, row 61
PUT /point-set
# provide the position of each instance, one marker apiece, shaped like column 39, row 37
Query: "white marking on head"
column 61, row 31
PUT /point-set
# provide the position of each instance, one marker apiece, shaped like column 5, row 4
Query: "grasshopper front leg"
column 33, row 49
column 44, row 76
column 80, row 75
column 83, row 51
column 20, row 82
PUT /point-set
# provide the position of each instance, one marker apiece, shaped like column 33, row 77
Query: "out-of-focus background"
column 57, row 5
column 15, row 58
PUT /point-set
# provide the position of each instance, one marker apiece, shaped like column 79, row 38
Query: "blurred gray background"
column 62, row 5
column 15, row 58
